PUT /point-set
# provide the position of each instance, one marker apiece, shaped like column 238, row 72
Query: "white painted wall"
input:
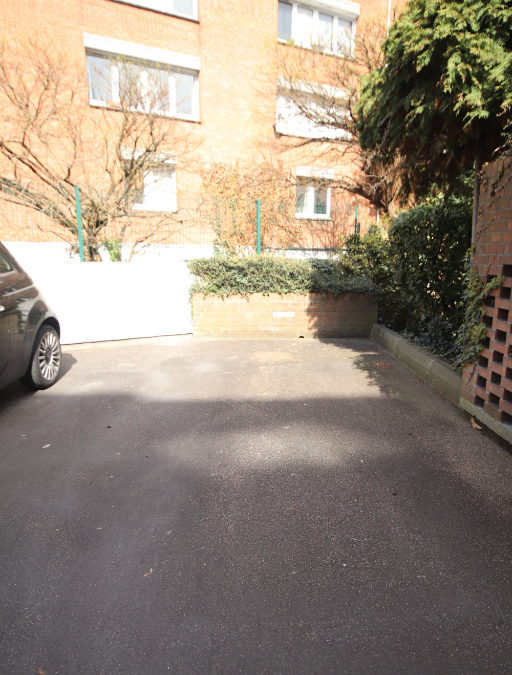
column 112, row 301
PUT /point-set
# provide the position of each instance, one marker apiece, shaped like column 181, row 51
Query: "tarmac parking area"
column 188, row 505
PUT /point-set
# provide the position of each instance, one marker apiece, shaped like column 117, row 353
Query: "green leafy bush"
column 420, row 267
column 372, row 256
column 429, row 245
column 114, row 248
column 226, row 275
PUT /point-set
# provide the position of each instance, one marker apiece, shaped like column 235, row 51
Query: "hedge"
column 226, row 275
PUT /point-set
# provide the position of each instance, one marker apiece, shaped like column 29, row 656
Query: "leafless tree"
column 52, row 141
column 230, row 196
column 324, row 90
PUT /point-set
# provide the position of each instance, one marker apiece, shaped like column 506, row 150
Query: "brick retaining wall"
column 313, row 315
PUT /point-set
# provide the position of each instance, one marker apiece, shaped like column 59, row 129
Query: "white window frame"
column 315, row 178
column 163, row 160
column 162, row 6
column 290, row 121
column 343, row 10
column 152, row 57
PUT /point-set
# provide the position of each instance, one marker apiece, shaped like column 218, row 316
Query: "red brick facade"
column 487, row 384
column 238, row 51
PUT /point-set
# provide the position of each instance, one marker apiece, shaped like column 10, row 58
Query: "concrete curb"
column 434, row 371
column 500, row 429
column 438, row 375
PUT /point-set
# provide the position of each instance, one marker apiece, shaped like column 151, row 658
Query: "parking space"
column 190, row 506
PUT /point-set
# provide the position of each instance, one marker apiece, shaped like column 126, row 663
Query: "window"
column 156, row 189
column 145, row 86
column 310, row 27
column 130, row 78
column 327, row 104
column 313, row 193
column 313, row 200
column 185, row 8
column 284, row 31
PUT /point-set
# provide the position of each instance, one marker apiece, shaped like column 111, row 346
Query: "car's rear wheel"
column 46, row 360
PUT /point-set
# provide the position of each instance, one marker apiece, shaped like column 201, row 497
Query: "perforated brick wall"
column 487, row 384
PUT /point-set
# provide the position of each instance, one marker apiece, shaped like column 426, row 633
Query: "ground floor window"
column 313, row 198
column 155, row 190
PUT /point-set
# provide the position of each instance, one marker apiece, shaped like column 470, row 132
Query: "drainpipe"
column 476, row 195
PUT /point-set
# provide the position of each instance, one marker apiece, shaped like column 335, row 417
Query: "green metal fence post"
column 258, row 226
column 79, row 224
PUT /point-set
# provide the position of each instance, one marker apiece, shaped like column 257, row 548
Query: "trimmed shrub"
column 227, row 275
column 420, row 268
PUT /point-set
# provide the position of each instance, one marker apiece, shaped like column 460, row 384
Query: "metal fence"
column 243, row 226
column 263, row 226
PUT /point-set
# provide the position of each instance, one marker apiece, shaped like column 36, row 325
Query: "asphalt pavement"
column 188, row 505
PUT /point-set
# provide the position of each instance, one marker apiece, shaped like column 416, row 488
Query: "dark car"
column 29, row 330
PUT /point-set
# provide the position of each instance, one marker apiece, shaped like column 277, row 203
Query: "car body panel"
column 24, row 312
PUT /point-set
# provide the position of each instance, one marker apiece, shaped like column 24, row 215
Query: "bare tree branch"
column 325, row 91
column 53, row 142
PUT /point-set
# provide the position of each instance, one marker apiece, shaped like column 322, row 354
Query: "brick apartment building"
column 218, row 64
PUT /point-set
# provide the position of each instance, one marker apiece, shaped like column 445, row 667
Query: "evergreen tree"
column 443, row 100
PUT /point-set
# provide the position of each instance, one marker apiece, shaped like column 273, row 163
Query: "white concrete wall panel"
column 113, row 301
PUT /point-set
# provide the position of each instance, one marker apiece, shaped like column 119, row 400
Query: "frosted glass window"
column 184, row 93
column 344, row 42
column 304, row 26
column 160, row 190
column 156, row 191
column 99, row 76
column 325, row 22
column 185, row 7
column 284, row 21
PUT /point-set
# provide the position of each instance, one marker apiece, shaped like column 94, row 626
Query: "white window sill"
column 117, row 108
column 143, row 52
column 347, row 8
column 313, row 216
column 148, row 208
column 283, row 131
column 142, row 5
column 291, row 43
column 328, row 136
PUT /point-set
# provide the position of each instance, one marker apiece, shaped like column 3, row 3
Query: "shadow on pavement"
column 381, row 368
column 320, row 535
column 16, row 391
column 68, row 361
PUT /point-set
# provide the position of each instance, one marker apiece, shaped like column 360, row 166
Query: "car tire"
column 44, row 368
